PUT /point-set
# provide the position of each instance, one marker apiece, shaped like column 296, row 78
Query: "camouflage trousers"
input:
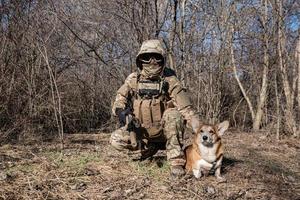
column 172, row 134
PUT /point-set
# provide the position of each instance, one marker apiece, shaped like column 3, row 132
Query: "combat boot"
column 144, row 153
column 177, row 171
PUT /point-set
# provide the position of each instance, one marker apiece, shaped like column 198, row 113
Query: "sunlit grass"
column 151, row 168
column 75, row 162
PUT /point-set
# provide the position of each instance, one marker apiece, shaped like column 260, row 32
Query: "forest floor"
column 255, row 166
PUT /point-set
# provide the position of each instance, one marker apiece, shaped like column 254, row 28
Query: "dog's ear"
column 195, row 123
column 222, row 127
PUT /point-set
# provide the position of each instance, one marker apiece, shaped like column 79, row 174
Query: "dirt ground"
column 255, row 166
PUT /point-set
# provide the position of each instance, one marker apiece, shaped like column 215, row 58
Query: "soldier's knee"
column 118, row 139
column 117, row 145
column 114, row 141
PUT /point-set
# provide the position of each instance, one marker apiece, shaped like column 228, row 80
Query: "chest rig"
column 149, row 103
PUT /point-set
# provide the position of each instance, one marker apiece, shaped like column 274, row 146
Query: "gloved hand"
column 122, row 113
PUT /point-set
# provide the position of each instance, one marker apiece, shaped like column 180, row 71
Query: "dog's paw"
column 197, row 173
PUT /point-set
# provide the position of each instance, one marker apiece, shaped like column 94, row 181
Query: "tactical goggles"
column 148, row 57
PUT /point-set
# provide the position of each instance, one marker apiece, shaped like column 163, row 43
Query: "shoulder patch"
column 131, row 80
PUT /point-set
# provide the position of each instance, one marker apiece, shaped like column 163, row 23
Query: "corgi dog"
column 206, row 152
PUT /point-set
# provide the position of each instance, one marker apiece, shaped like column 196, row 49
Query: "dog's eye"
column 201, row 131
column 211, row 131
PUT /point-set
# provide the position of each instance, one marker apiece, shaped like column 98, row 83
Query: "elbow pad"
column 182, row 98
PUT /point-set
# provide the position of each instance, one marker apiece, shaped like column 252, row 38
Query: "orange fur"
column 203, row 155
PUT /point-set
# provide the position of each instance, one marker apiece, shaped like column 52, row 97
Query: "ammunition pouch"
column 149, row 112
column 149, row 105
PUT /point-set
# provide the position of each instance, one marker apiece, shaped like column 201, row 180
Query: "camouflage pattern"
column 173, row 129
column 173, row 117
column 120, row 138
column 150, row 46
column 178, row 95
column 151, row 71
column 124, row 92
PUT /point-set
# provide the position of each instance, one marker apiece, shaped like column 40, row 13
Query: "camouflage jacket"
column 176, row 93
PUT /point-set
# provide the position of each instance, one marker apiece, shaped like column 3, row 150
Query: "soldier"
column 158, row 101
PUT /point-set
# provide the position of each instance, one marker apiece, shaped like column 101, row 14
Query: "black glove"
column 121, row 113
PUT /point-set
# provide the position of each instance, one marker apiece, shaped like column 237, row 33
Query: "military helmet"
column 150, row 46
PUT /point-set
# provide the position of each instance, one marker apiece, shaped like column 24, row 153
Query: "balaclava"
column 150, row 59
column 152, row 70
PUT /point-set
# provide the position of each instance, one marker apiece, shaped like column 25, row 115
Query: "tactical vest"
column 149, row 103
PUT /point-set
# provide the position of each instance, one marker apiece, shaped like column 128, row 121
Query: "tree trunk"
column 277, row 110
column 288, row 90
column 264, row 86
column 298, row 63
column 172, row 38
column 250, row 106
column 182, row 42
column 56, row 98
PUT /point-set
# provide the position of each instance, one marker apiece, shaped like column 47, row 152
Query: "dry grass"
column 256, row 167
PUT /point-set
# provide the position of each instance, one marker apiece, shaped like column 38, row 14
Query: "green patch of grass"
column 151, row 169
column 75, row 162
column 25, row 168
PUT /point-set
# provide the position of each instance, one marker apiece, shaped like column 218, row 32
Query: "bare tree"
column 62, row 61
column 297, row 55
column 289, row 87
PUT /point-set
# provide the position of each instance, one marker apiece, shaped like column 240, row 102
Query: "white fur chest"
column 208, row 160
column 208, row 153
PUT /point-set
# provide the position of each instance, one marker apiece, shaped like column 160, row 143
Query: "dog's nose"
column 204, row 137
